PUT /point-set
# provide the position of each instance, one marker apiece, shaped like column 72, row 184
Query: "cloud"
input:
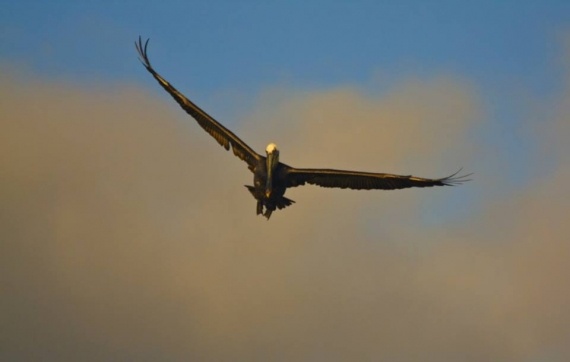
column 127, row 234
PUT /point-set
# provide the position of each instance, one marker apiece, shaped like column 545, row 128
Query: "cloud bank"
column 126, row 233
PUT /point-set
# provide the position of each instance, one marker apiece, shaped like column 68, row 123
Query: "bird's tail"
column 280, row 203
column 283, row 202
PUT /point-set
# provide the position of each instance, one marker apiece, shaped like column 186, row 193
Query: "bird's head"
column 271, row 148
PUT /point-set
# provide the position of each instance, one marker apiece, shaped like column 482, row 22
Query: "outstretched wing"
column 364, row 180
column 220, row 133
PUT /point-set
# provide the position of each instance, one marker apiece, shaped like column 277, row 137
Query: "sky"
column 126, row 232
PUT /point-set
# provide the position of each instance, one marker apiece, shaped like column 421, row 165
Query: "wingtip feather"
column 454, row 179
column 142, row 50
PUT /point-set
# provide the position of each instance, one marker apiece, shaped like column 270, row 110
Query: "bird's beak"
column 269, row 180
column 272, row 161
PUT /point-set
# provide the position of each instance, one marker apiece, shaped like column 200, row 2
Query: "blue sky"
column 251, row 44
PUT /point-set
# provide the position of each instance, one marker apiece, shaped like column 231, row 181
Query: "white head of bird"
column 271, row 148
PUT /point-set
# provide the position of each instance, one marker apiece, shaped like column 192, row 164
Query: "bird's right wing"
column 364, row 180
column 220, row 133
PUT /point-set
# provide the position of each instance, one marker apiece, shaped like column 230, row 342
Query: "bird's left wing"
column 364, row 180
column 220, row 133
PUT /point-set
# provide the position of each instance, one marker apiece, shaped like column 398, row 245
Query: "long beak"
column 269, row 181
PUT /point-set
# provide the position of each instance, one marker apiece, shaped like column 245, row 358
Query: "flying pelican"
column 271, row 178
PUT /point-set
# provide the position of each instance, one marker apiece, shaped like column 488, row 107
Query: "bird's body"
column 274, row 200
column 271, row 178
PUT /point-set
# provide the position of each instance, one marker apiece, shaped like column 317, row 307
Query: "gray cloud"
column 127, row 234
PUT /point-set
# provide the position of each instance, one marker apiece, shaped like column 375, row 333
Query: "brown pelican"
column 270, row 177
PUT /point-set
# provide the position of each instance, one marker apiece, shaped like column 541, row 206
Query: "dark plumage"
column 271, row 178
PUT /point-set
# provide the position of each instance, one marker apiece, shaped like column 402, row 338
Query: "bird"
column 271, row 178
